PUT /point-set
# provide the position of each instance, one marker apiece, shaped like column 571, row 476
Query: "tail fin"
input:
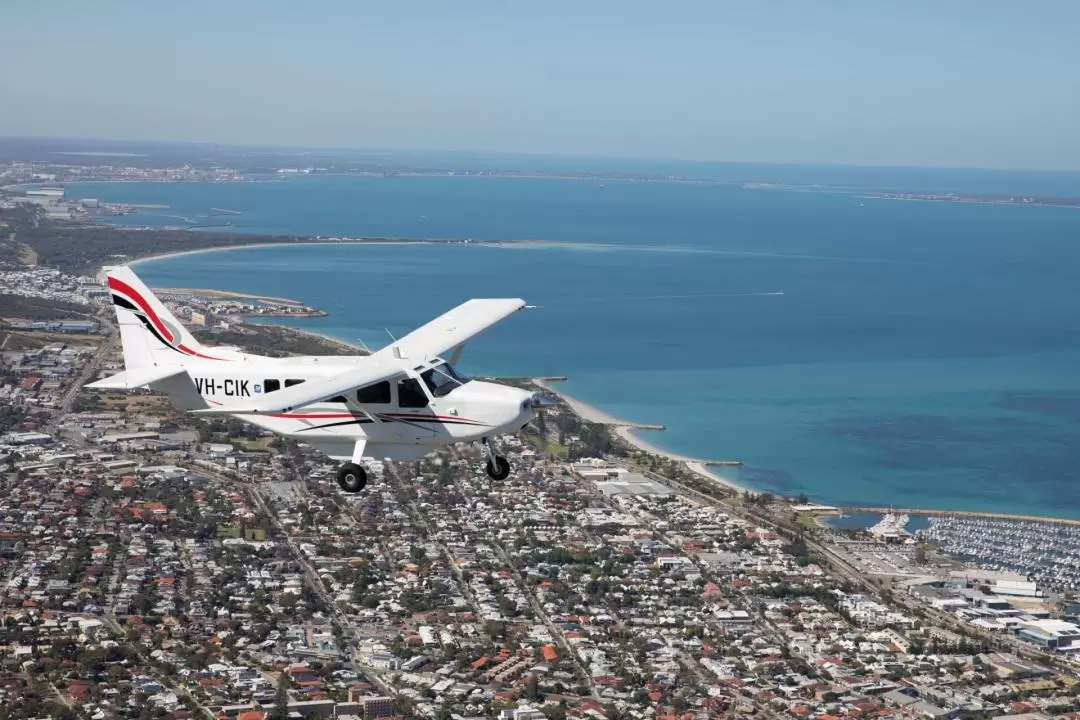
column 149, row 333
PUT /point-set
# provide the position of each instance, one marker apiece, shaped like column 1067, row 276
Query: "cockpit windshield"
column 442, row 378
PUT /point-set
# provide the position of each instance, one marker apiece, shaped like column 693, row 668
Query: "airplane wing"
column 450, row 330
column 288, row 399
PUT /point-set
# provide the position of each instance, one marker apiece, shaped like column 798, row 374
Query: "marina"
column 1046, row 553
column 892, row 528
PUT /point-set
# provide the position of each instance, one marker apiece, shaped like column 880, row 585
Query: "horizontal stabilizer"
column 136, row 378
column 312, row 391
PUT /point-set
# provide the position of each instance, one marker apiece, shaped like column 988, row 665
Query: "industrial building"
column 1051, row 634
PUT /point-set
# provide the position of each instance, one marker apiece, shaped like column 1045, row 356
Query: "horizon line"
column 548, row 155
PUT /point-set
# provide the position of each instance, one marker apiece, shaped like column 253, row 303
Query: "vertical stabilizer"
column 149, row 333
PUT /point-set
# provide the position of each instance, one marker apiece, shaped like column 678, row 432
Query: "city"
column 156, row 565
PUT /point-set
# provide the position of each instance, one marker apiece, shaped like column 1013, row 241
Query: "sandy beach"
column 298, row 241
column 584, row 410
column 361, row 241
column 626, row 432
column 226, row 294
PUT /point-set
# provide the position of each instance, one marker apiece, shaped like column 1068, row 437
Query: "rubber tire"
column 351, row 478
column 500, row 470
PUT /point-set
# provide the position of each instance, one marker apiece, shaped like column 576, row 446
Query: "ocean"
column 865, row 352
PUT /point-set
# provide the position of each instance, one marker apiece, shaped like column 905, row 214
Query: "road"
column 88, row 371
column 311, row 577
column 421, row 521
column 538, row 610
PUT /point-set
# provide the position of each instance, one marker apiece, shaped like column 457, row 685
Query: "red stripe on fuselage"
column 185, row 349
column 403, row 416
column 421, row 416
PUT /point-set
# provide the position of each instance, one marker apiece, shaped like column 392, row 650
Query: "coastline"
column 625, row 431
column 348, row 347
column 284, row 243
column 582, row 409
column 362, row 241
column 227, row 294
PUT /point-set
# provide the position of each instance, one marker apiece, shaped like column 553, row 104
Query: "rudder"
column 149, row 333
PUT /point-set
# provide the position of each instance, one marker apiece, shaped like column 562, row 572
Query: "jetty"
column 624, row 428
column 588, row 412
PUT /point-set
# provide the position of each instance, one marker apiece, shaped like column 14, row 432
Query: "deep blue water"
column 922, row 354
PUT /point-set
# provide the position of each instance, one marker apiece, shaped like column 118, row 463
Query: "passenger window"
column 410, row 394
column 290, row 383
column 271, row 385
column 338, row 399
column 377, row 394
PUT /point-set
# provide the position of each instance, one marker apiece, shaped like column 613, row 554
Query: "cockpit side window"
column 410, row 394
column 377, row 394
column 442, row 378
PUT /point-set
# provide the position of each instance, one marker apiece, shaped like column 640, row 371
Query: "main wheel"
column 351, row 477
column 500, row 470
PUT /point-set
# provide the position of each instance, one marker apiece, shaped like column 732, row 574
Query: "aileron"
column 452, row 329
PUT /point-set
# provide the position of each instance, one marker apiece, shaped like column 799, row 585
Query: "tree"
column 281, row 702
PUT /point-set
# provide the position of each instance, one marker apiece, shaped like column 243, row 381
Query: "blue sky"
column 959, row 82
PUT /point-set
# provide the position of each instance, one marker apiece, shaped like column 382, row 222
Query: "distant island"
column 982, row 198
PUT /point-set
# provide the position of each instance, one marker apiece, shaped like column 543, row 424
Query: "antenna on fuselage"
column 457, row 354
column 399, row 354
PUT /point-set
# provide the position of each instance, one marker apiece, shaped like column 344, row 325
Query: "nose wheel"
column 498, row 467
column 351, row 477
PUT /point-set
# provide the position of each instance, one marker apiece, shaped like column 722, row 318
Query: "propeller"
column 538, row 401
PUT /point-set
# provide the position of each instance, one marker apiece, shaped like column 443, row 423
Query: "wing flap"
column 451, row 329
column 135, row 378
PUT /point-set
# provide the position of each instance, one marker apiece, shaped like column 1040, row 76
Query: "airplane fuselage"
column 400, row 419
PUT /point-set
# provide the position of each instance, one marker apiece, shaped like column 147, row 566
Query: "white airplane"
column 399, row 403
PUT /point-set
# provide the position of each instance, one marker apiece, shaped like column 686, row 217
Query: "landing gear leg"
column 498, row 467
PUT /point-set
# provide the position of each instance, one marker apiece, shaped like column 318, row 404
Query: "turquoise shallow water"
column 921, row 354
